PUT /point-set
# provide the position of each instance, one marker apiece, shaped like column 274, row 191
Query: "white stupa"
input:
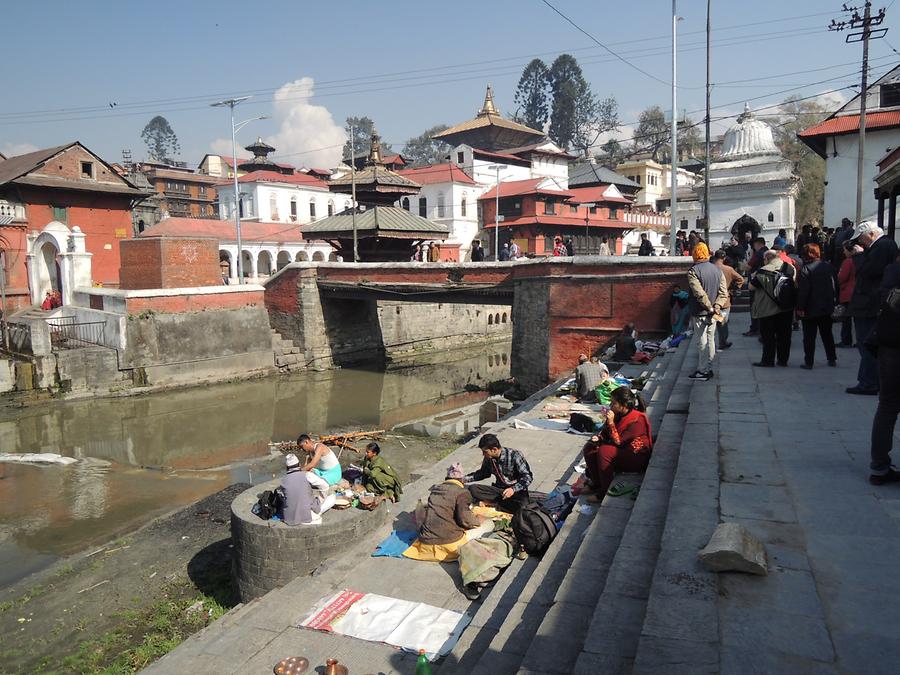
column 751, row 178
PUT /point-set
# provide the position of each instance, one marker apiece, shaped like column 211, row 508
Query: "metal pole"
column 860, row 162
column 497, row 220
column 673, row 189
column 237, row 201
column 353, row 193
column 708, row 149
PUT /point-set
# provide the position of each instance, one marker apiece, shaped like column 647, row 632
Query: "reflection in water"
column 131, row 446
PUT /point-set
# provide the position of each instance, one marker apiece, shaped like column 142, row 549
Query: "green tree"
column 161, row 141
column 593, row 118
column 793, row 117
column 611, row 154
column 691, row 139
column 363, row 128
column 570, row 91
column 424, row 149
column 652, row 133
column 531, row 95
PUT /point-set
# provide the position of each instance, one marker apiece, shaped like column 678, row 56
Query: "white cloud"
column 222, row 146
column 307, row 135
column 13, row 149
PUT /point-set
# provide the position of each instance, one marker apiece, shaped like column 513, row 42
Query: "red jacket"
column 846, row 280
column 631, row 432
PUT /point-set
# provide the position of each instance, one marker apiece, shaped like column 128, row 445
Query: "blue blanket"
column 395, row 544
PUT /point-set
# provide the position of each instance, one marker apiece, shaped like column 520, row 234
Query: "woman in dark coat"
column 816, row 292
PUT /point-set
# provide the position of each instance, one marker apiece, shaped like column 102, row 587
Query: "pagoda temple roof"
column 375, row 178
column 385, row 221
column 489, row 130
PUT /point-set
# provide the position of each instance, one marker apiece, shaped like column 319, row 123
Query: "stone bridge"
column 554, row 308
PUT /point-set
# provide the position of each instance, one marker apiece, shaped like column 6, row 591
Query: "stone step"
column 287, row 360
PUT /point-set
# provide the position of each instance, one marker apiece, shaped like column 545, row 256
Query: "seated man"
column 306, row 495
column 626, row 346
column 379, row 477
column 447, row 518
column 588, row 374
column 511, row 473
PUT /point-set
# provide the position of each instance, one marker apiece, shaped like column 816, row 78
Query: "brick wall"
column 169, row 262
column 193, row 303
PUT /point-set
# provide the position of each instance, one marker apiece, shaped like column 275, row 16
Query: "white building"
column 750, row 178
column 836, row 139
column 654, row 179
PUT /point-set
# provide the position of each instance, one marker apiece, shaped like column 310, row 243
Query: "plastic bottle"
column 423, row 667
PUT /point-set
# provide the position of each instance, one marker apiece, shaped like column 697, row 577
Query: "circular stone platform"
column 268, row 554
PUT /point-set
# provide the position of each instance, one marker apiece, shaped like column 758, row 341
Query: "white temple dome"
column 750, row 137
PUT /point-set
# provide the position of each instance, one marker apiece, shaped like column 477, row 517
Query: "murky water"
column 150, row 454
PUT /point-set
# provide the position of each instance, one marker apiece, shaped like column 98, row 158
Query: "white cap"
column 290, row 460
column 863, row 228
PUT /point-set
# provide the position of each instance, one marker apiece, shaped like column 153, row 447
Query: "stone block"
column 775, row 631
column 760, row 502
column 665, row 656
column 732, row 548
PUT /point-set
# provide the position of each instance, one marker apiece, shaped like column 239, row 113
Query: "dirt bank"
column 118, row 607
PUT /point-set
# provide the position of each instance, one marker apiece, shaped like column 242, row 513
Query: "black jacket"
column 867, row 293
column 816, row 289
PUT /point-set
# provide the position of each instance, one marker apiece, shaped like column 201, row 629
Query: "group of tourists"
column 427, row 252
column 849, row 276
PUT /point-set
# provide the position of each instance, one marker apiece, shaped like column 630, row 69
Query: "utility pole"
column 353, row 193
column 673, row 160
column 708, row 147
column 866, row 22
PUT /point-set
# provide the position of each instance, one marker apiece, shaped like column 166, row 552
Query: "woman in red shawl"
column 624, row 444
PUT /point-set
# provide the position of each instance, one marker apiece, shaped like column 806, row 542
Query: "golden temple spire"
column 375, row 153
column 488, row 108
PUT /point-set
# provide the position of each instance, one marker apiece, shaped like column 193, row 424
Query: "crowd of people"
column 848, row 277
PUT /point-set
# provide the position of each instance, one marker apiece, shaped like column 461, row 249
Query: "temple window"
column 405, row 203
column 423, row 207
column 462, row 206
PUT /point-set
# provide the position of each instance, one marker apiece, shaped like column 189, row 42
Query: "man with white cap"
column 878, row 252
column 306, row 495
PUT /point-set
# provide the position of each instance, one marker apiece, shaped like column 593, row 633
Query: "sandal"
column 621, row 488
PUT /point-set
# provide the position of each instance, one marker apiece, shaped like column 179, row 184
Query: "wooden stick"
column 105, row 581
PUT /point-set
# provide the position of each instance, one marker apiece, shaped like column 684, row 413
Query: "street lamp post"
column 497, row 217
column 673, row 190
column 230, row 103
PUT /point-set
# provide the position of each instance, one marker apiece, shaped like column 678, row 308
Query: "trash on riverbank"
column 36, row 458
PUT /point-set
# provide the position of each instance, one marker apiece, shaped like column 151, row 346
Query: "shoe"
column 862, row 392
column 698, row 375
column 750, row 333
column 760, row 364
column 472, row 592
column 833, row 364
column 892, row 476
column 807, row 366
column 725, row 346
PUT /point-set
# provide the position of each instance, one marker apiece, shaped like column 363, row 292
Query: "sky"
column 99, row 71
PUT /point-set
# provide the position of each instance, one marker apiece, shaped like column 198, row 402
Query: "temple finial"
column 488, row 108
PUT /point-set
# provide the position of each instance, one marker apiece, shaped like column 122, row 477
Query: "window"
column 312, row 209
column 423, row 207
column 549, row 208
column 771, row 217
column 510, row 207
column 463, row 206
column 684, row 224
column 293, row 207
column 613, row 213
column 87, row 169
column 573, row 208
column 202, row 190
column 405, row 203
column 593, row 210
column 460, row 158
column 890, row 95
column 60, row 213
column 330, row 207
column 273, row 206
column 440, row 206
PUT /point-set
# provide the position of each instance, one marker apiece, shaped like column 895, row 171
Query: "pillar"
column 879, row 195
column 892, row 212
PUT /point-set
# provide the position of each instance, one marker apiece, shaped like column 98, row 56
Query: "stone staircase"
column 287, row 356
column 740, row 302
column 581, row 607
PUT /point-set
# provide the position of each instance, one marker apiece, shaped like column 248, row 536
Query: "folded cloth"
column 395, row 544
column 483, row 559
column 435, row 552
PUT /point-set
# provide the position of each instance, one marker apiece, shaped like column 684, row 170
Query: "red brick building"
column 535, row 210
column 69, row 187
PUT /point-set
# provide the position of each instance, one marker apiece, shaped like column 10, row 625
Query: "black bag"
column 270, row 503
column 534, row 528
column 581, row 422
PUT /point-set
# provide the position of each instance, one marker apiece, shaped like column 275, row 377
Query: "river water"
column 143, row 456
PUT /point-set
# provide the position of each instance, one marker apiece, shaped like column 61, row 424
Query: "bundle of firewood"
column 337, row 440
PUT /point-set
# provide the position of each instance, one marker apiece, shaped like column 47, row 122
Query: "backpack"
column 534, row 528
column 558, row 504
column 784, row 293
column 269, row 504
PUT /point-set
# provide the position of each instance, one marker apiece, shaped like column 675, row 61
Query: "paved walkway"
column 793, row 460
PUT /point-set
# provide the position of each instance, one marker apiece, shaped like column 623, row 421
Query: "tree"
column 363, row 128
column 690, row 141
column 424, row 149
column 593, row 118
column 793, row 117
column 531, row 95
column 161, row 141
column 611, row 153
column 652, row 133
column 570, row 90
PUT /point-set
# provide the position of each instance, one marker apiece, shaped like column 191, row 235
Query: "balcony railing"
column 11, row 211
column 67, row 333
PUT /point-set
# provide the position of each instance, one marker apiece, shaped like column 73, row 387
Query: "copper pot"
column 332, row 667
column 294, row 665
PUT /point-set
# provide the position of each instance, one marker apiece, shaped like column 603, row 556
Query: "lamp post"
column 497, row 217
column 673, row 188
column 587, row 225
column 230, row 103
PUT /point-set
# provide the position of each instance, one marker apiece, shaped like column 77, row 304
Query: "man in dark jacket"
column 816, row 292
column 837, row 244
column 646, row 247
column 879, row 252
column 511, row 473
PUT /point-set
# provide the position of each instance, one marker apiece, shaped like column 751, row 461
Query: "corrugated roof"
column 13, row 167
column 593, row 174
column 377, row 218
column 80, row 185
column 594, row 193
column 223, row 230
column 437, row 173
column 375, row 175
column 483, row 121
column 849, row 123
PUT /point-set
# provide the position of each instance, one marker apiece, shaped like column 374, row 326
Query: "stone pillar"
column 892, row 213
column 74, row 266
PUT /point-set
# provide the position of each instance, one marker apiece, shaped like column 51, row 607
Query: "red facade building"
column 53, row 202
